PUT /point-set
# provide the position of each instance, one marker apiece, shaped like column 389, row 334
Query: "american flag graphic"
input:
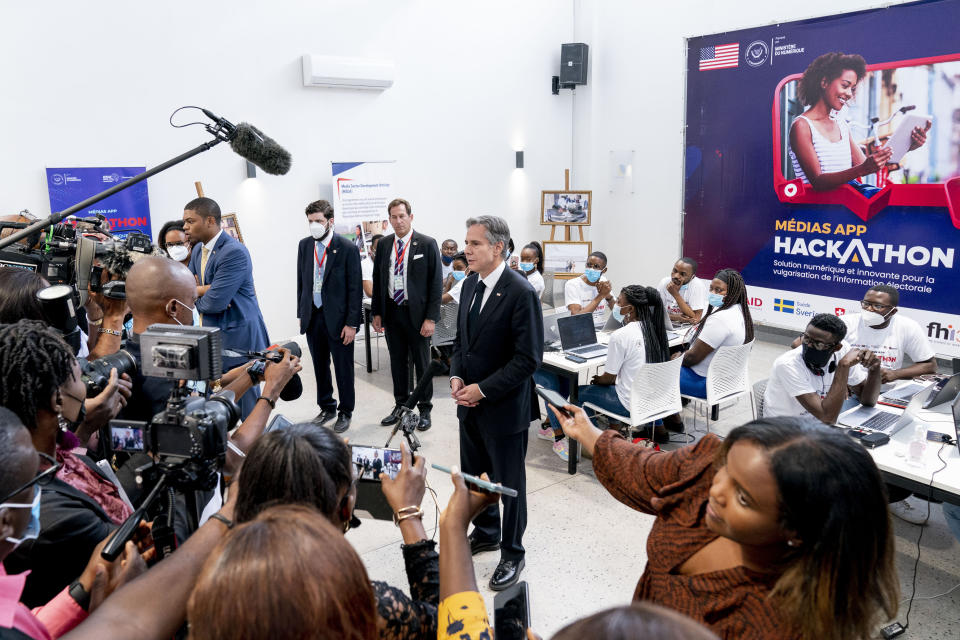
column 721, row 56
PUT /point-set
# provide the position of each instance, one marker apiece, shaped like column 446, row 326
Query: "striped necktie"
column 398, row 294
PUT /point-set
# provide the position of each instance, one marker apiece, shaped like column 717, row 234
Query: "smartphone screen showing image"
column 511, row 616
column 370, row 462
column 126, row 438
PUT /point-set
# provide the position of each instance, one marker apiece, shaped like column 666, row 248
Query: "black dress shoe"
column 425, row 422
column 391, row 419
column 343, row 422
column 506, row 574
column 325, row 416
column 479, row 546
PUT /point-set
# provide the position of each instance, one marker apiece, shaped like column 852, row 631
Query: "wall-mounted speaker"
column 573, row 63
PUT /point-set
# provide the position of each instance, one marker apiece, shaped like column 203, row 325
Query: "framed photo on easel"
column 565, row 207
column 228, row 222
column 566, row 259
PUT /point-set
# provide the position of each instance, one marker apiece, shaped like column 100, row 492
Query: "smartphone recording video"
column 370, row 462
column 126, row 438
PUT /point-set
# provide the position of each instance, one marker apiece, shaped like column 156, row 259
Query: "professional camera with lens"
column 96, row 373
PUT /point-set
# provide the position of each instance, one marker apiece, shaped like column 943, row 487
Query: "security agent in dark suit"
column 329, row 299
column 407, row 288
column 498, row 347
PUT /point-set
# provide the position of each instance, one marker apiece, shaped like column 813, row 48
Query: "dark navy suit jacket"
column 231, row 302
column 342, row 290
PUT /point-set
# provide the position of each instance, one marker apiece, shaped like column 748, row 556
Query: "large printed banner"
column 361, row 193
column 128, row 210
column 818, row 176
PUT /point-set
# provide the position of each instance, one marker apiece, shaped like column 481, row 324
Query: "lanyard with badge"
column 318, row 274
column 398, row 259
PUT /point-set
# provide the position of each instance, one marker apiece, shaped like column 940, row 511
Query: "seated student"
column 309, row 465
column 286, row 574
column 889, row 335
column 641, row 339
column 684, row 294
column 590, row 293
column 813, row 379
column 454, row 282
column 726, row 324
column 780, row 531
column 448, row 249
column 531, row 266
column 366, row 267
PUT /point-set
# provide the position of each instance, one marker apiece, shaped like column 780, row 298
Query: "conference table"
column 557, row 362
column 930, row 477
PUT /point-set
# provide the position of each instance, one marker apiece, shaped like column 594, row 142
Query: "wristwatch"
column 80, row 595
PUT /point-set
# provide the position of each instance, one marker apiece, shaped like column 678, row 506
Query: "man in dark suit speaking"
column 329, row 299
column 498, row 347
column 224, row 275
column 406, row 303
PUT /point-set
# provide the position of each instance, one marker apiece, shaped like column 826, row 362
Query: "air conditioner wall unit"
column 347, row 73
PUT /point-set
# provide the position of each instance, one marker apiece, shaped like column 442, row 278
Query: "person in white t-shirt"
column 727, row 323
column 684, row 294
column 454, row 282
column 531, row 266
column 641, row 339
column 591, row 292
column 814, row 378
column 448, row 249
column 366, row 267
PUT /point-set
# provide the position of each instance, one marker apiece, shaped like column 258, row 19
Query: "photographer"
column 40, row 381
column 20, row 485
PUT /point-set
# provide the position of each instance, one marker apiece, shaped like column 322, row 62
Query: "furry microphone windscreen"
column 261, row 150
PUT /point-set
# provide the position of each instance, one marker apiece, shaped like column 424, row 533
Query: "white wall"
column 93, row 83
column 635, row 100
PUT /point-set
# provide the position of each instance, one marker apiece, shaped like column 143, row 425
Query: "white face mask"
column 33, row 527
column 178, row 252
column 196, row 314
column 318, row 230
column 872, row 318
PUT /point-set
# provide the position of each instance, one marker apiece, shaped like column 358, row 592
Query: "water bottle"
column 918, row 445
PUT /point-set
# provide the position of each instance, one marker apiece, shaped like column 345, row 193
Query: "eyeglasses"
column 43, row 478
column 816, row 344
column 876, row 306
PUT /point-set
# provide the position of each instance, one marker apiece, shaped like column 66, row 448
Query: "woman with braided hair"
column 40, row 381
column 641, row 339
column 727, row 323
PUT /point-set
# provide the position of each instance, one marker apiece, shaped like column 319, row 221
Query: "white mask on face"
column 318, row 230
column 872, row 318
column 178, row 252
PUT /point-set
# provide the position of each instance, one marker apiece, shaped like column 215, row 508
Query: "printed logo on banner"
column 756, row 53
column 787, row 49
column 784, row 306
column 721, row 56
column 940, row 334
column 839, row 311
column 57, row 178
column 756, row 303
column 111, row 178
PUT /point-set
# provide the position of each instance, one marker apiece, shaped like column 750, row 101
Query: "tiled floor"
column 585, row 550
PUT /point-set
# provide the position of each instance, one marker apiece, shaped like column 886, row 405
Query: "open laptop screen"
column 576, row 331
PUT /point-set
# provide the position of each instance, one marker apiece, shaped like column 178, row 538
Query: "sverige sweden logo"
column 785, row 306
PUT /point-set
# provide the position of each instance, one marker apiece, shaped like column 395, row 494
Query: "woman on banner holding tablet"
column 821, row 149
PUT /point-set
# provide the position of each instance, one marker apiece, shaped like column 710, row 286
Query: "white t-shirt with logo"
column 791, row 377
column 625, row 355
column 578, row 292
column 456, row 289
column 721, row 329
column 536, row 281
column 693, row 293
column 903, row 336
column 445, row 269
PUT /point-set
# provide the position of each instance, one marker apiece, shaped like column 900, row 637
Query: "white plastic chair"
column 548, row 297
column 727, row 378
column 655, row 394
column 759, row 388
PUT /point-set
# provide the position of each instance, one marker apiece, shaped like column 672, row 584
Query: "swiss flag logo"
column 839, row 311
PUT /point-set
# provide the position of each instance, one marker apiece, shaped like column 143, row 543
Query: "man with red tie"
column 407, row 288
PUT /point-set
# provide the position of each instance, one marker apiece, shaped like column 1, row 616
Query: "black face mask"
column 73, row 425
column 816, row 359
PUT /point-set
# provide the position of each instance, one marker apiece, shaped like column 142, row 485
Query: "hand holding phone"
column 407, row 486
column 484, row 485
column 511, row 614
column 553, row 398
column 464, row 504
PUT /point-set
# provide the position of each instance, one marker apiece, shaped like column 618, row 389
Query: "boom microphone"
column 249, row 142
column 417, row 395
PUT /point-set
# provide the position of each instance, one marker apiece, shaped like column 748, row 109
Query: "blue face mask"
column 526, row 266
column 446, row 259
column 617, row 315
column 33, row 527
column 509, row 253
column 592, row 274
column 459, row 275
column 684, row 287
column 715, row 300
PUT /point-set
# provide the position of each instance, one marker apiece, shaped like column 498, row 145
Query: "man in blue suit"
column 224, row 276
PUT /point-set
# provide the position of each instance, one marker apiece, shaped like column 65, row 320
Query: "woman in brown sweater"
column 781, row 531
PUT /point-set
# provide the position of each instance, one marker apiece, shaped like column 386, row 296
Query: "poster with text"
column 362, row 191
column 128, row 210
column 823, row 158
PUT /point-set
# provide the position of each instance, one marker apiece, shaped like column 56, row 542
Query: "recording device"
column 60, row 311
column 369, row 463
column 126, row 436
column 480, row 482
column 553, row 398
column 277, row 422
column 177, row 352
column 96, row 373
column 408, row 419
column 511, row 612
column 251, row 143
column 294, row 388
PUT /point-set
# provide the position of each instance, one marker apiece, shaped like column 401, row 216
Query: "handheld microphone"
column 251, row 143
column 408, row 420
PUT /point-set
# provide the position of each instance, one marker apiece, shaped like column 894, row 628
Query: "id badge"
column 398, row 283
column 317, row 285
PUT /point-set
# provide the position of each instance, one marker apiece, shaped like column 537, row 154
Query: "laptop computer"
column 579, row 338
column 551, row 333
column 611, row 325
column 944, row 391
column 881, row 419
column 901, row 396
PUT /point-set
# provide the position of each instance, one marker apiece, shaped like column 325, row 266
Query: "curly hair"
column 828, row 67
column 34, row 363
column 648, row 305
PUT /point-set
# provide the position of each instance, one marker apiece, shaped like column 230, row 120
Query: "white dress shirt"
column 406, row 262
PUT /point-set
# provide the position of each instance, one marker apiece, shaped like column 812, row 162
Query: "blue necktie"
column 398, row 296
column 318, row 273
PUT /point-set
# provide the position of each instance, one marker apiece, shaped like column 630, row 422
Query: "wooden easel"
column 199, row 188
column 565, row 227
